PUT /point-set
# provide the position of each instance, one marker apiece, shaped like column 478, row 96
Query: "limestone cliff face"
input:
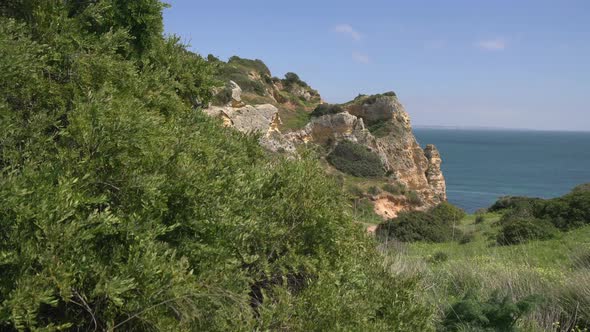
column 378, row 122
column 393, row 140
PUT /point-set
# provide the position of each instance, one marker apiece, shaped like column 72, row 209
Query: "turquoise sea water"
column 482, row 165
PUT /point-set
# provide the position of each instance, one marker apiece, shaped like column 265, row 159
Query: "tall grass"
column 558, row 270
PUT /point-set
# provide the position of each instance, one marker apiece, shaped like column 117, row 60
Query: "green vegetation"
column 355, row 159
column 478, row 285
column 325, row 109
column 293, row 79
column 395, row 188
column 447, row 212
column 498, row 313
column 126, row 208
column 521, row 230
column 533, row 218
column 418, row 226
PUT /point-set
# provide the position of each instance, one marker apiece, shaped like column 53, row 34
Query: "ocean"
column 481, row 165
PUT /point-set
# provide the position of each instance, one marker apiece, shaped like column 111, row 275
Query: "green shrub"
column 467, row 238
column 413, row 197
column 480, row 218
column 418, row 226
column 394, row 188
column 510, row 202
column 439, row 257
column 355, row 159
column 292, row 79
column 518, row 231
column 373, row 190
column 124, row 207
column 566, row 212
column 448, row 212
column 356, row 191
column 325, row 109
column 257, row 65
column 498, row 313
column 223, row 97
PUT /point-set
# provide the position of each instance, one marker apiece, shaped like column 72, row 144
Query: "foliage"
column 325, row 109
column 498, row 313
column 394, row 188
column 373, row 190
column 124, row 207
column 355, row 159
column 567, row 212
column 439, row 257
column 293, row 79
column 480, row 218
column 413, row 197
column 517, row 231
column 223, row 97
column 448, row 212
column 257, row 65
column 511, row 202
column 418, row 226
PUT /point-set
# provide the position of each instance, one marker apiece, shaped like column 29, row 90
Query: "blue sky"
column 512, row 64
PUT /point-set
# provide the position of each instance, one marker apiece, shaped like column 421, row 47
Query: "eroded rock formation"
column 378, row 122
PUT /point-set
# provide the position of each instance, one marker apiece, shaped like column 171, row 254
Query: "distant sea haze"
column 481, row 165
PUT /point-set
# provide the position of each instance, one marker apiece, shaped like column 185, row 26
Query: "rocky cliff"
column 377, row 122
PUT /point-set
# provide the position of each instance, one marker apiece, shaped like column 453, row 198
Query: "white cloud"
column 359, row 57
column 497, row 44
column 348, row 30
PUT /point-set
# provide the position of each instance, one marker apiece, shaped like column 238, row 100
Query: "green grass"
column 293, row 119
column 547, row 268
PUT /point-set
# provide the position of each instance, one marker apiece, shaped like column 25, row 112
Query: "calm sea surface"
column 481, row 165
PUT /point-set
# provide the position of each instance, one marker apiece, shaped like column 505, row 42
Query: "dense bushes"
column 567, row 212
column 325, row 109
column 522, row 230
column 355, row 159
column 533, row 218
column 418, row 226
column 511, row 202
column 126, row 208
column 448, row 212
column 293, row 79
column 395, row 188
column 498, row 313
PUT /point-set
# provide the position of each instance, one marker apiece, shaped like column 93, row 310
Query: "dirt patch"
column 388, row 206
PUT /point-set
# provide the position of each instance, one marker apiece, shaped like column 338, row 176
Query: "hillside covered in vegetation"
column 521, row 265
column 124, row 207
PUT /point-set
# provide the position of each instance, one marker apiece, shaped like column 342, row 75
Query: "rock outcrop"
column 378, row 122
column 393, row 140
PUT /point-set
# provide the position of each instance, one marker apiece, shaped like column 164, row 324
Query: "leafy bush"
column 394, row 188
column 355, row 159
column 373, row 190
column 413, row 197
column 480, row 218
column 510, row 202
column 439, row 257
column 418, row 226
column 356, row 191
column 498, row 313
column 325, row 109
column 448, row 212
column 567, row 212
column 522, row 230
column 292, row 79
column 126, row 208
column 467, row 238
column 223, row 97
column 257, row 65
